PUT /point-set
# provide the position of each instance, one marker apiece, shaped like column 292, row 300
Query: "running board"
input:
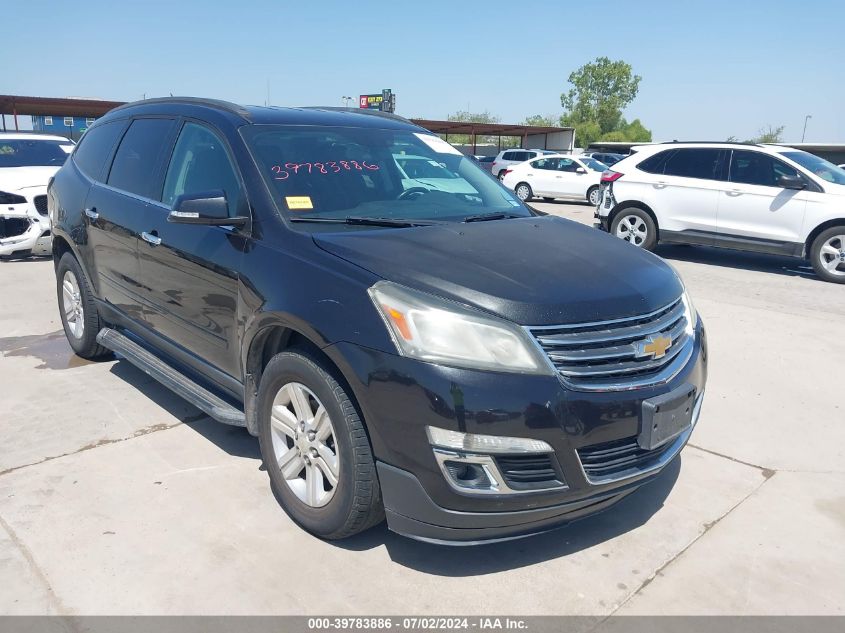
column 171, row 378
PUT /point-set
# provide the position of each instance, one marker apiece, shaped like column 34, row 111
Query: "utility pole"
column 804, row 133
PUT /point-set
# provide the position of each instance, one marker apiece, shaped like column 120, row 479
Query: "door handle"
column 91, row 212
column 733, row 193
column 660, row 185
column 558, row 176
column 152, row 238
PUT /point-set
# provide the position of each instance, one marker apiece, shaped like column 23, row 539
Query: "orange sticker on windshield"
column 299, row 203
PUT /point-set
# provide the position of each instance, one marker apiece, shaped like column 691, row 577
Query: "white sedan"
column 556, row 176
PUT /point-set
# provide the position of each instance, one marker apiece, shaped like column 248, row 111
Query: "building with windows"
column 70, row 126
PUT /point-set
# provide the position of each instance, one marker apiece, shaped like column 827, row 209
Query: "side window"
column 568, row 165
column 508, row 156
column 95, row 148
column 139, row 155
column 694, row 163
column 756, row 168
column 200, row 164
column 546, row 163
column 657, row 163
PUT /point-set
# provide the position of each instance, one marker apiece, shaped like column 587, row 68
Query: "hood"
column 533, row 271
column 14, row 178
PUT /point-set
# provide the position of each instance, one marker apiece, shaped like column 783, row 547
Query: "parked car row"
column 556, row 176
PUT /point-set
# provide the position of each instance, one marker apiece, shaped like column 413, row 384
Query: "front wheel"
column 315, row 448
column 828, row 254
column 78, row 311
column 635, row 226
column 593, row 196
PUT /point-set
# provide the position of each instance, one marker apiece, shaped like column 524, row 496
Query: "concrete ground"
column 116, row 497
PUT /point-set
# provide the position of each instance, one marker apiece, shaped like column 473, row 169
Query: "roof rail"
column 386, row 115
column 746, row 143
column 219, row 104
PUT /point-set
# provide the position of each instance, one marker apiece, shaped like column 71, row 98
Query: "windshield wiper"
column 364, row 221
column 485, row 217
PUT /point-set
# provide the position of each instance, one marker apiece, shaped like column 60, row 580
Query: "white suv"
column 509, row 157
column 762, row 198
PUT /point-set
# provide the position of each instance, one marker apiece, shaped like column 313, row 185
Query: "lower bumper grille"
column 617, row 458
column 13, row 227
column 529, row 472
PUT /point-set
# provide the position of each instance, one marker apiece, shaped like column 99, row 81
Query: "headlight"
column 690, row 313
column 11, row 198
column 435, row 330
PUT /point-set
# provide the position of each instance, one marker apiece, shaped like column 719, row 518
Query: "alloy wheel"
column 304, row 444
column 832, row 255
column 632, row 229
column 72, row 305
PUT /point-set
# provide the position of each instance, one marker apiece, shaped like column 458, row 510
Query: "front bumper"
column 23, row 230
column 399, row 397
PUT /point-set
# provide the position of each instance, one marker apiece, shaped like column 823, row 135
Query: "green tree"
column 601, row 89
column 769, row 134
column 542, row 120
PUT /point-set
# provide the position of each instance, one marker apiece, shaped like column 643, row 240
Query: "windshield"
column 819, row 166
column 340, row 172
column 33, row 153
column 593, row 164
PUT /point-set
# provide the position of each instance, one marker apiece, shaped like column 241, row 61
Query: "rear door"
column 685, row 195
column 756, row 213
column 115, row 211
column 190, row 272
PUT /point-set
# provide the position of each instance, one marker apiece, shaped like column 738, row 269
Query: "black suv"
column 428, row 348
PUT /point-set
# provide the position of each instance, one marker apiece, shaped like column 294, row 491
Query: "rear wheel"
column 593, row 196
column 80, row 318
column 501, row 175
column 315, row 448
column 635, row 226
column 523, row 191
column 828, row 254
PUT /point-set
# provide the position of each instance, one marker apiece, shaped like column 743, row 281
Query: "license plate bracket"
column 665, row 417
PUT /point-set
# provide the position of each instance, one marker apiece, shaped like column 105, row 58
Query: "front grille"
column 616, row 459
column 41, row 204
column 529, row 472
column 607, row 356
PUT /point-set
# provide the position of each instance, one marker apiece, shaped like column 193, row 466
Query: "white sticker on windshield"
column 68, row 148
column 437, row 144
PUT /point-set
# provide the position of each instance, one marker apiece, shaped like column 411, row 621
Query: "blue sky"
column 710, row 69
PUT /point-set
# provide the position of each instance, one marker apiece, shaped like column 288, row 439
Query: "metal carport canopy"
column 489, row 129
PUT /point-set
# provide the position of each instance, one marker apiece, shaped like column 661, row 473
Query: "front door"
column 541, row 176
column 755, row 210
column 190, row 272
column 568, row 182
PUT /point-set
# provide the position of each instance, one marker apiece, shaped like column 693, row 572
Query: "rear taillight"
column 611, row 176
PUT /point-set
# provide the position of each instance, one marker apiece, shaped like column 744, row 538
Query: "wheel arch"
column 273, row 338
column 824, row 226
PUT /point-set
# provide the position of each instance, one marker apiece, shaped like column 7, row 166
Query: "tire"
column 636, row 227
column 334, row 511
column 827, row 254
column 593, row 192
column 523, row 191
column 501, row 174
column 80, row 318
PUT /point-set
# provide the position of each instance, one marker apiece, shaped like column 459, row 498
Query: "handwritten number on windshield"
column 327, row 167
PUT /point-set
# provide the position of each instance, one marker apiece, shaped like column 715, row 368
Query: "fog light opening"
column 467, row 475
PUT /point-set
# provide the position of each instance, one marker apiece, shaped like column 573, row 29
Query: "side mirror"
column 580, row 170
column 791, row 182
column 208, row 208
